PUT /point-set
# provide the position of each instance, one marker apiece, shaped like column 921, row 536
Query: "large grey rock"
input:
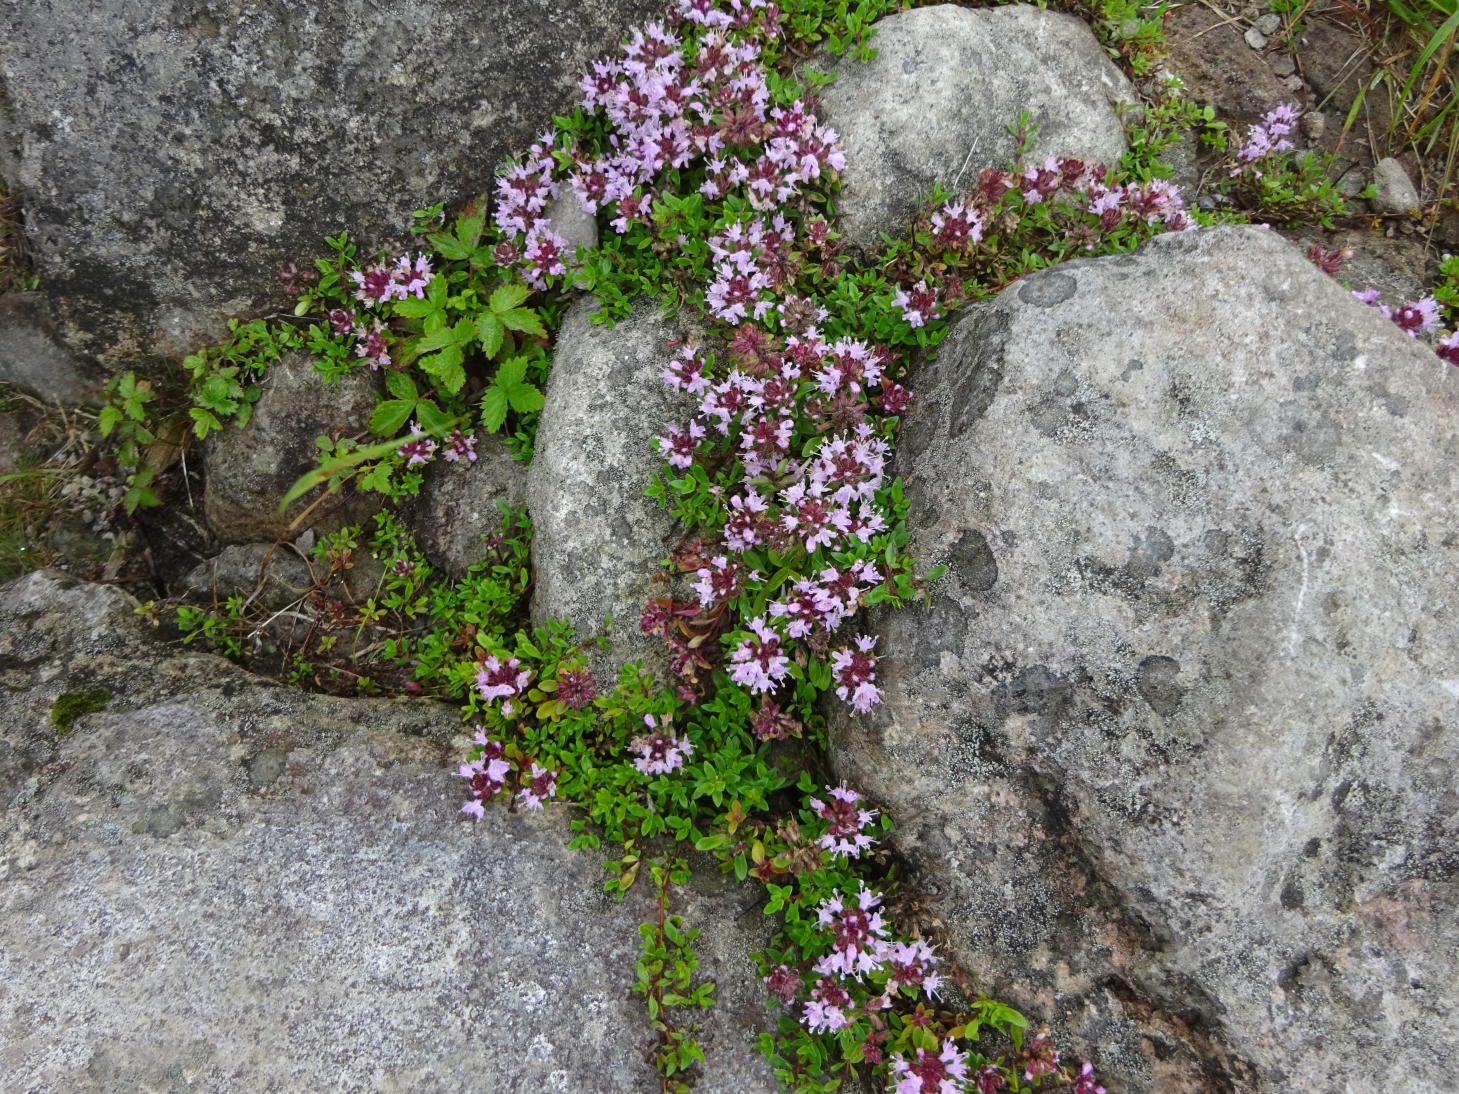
column 1174, row 744
column 173, row 157
column 936, row 103
column 249, row 470
column 218, row 884
column 458, row 507
column 597, row 542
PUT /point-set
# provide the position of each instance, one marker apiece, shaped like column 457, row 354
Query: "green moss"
column 71, row 705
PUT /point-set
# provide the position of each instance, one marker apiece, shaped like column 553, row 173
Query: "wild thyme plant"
column 704, row 158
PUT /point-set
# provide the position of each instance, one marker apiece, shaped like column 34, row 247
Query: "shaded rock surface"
column 936, row 102
column 251, row 469
column 172, row 157
column 1174, row 743
column 458, row 507
column 597, row 541
column 32, row 360
column 218, row 884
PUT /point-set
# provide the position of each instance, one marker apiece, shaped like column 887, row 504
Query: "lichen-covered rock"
column 215, row 883
column 249, row 470
column 597, row 542
column 173, row 157
column 936, row 103
column 458, row 506
column 1174, row 744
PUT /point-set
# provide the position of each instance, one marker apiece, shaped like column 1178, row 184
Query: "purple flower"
column 540, row 785
column 720, row 581
column 460, row 446
column 855, row 674
column 770, row 723
column 846, row 821
column 372, row 344
column 687, row 372
column 660, row 752
column 419, row 451
column 858, row 934
column 926, row 1074
column 918, row 305
column 1039, row 1057
column 1448, row 348
column 342, row 321
column 1416, row 317
column 487, row 774
column 758, row 662
column 680, row 445
column 1085, row 1083
column 911, row 964
column 411, row 278
column 956, row 226
column 576, row 688
column 783, row 983
column 497, row 679
column 830, row 1007
column 375, row 285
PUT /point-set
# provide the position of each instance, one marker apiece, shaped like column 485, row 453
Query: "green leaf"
column 448, row 246
column 437, row 339
column 525, row 398
column 508, row 297
column 511, row 372
column 110, row 417
column 203, row 421
column 489, row 330
column 493, row 409
column 412, row 308
column 446, row 368
column 400, row 385
column 432, row 418
column 468, row 231
column 330, row 468
column 524, row 320
column 390, row 415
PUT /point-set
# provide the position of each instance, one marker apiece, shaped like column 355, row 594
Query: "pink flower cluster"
column 488, row 774
column 854, row 671
column 659, row 751
column 379, row 284
column 858, row 935
column 1267, row 138
column 928, row 1074
column 846, row 821
column 1414, row 318
column 502, row 679
column 456, row 447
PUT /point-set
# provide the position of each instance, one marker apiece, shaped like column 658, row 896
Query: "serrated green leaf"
column 524, row 398
column 110, row 416
column 446, row 368
column 524, row 320
column 412, row 308
column 493, row 409
column 508, row 297
column 468, row 231
column 400, row 385
column 390, row 415
column 511, row 372
column 436, row 339
column 448, row 246
column 203, row 421
column 432, row 418
column 489, row 330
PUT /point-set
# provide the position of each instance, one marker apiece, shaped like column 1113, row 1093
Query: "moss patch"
column 71, row 705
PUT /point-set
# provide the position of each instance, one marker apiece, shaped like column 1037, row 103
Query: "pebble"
column 1283, row 64
column 1255, row 38
column 1269, row 24
column 1293, row 82
column 1394, row 190
column 1314, row 124
column 1352, row 183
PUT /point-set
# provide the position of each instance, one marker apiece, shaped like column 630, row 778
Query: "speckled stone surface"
column 217, row 884
column 1174, row 744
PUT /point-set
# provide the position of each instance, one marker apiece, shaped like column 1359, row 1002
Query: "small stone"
column 1255, row 38
column 1314, row 124
column 1269, row 24
column 1283, row 64
column 1293, row 82
column 1393, row 190
column 1352, row 183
